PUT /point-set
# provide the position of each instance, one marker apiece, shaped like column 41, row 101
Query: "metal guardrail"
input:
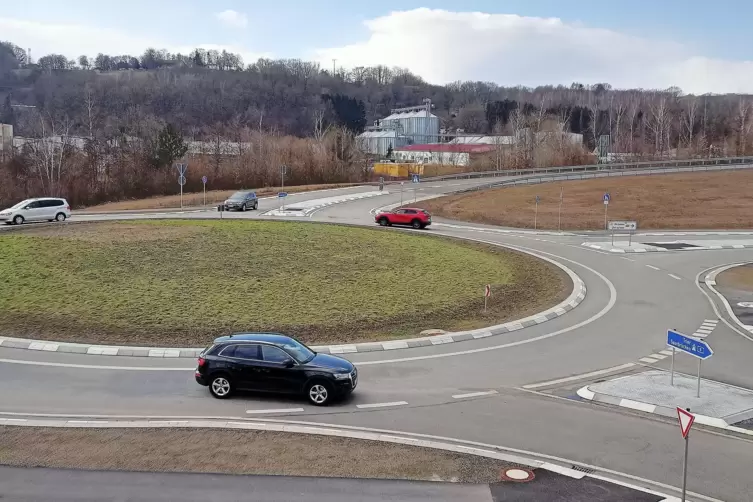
column 664, row 164
column 567, row 176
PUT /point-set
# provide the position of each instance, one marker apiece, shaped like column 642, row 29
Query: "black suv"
column 241, row 201
column 269, row 362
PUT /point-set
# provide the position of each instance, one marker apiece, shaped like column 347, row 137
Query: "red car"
column 417, row 218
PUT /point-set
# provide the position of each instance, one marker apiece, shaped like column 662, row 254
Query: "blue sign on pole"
column 416, row 179
column 607, row 197
column 538, row 199
column 696, row 348
column 282, row 194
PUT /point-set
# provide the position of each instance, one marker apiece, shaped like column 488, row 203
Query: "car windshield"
column 238, row 195
column 300, row 352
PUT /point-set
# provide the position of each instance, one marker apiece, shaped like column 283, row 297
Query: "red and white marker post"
column 686, row 422
column 487, row 294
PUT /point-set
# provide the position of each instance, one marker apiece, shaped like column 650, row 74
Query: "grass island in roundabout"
column 182, row 283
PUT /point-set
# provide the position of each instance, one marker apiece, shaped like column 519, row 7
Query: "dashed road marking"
column 475, row 394
column 673, row 276
column 279, row 410
column 381, row 405
column 647, row 360
column 653, row 268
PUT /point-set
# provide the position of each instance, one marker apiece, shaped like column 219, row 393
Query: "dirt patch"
column 213, row 197
column 667, row 201
column 237, row 452
column 740, row 278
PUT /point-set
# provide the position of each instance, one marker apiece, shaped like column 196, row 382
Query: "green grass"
column 181, row 283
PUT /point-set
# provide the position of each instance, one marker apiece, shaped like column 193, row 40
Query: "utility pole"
column 334, row 68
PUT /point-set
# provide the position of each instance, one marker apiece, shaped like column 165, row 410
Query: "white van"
column 40, row 209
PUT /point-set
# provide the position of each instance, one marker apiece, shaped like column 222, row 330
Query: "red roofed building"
column 441, row 153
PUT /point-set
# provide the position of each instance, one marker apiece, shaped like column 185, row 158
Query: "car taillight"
column 68, row 208
column 202, row 361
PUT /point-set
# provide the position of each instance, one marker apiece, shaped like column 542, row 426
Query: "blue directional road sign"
column 607, row 197
column 696, row 348
column 416, row 178
column 282, row 194
column 538, row 199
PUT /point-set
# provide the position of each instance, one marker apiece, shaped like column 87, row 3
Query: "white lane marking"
column 504, row 449
column 628, row 259
column 653, row 268
column 278, row 410
column 91, row 366
column 647, row 360
column 598, row 315
column 381, row 405
column 658, row 356
column 673, row 276
column 580, row 377
column 475, row 394
column 721, row 297
column 666, row 352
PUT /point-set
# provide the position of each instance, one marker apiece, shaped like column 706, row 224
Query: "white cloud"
column 444, row 46
column 73, row 40
column 232, row 18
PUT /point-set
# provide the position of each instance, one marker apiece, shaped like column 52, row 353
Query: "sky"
column 699, row 47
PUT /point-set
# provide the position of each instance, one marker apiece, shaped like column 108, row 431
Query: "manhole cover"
column 517, row 475
column 745, row 305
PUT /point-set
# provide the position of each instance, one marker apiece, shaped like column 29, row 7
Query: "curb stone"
column 572, row 301
column 710, row 281
column 655, row 409
column 475, row 449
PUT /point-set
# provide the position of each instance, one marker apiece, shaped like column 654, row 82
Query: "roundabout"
column 517, row 390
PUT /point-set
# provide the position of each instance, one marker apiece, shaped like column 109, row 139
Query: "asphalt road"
column 632, row 300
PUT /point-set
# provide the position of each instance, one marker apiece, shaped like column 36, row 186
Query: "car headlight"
column 342, row 376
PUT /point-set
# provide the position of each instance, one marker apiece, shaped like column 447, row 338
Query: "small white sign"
column 631, row 226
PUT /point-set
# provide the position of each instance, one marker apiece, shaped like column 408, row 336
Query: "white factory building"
column 402, row 127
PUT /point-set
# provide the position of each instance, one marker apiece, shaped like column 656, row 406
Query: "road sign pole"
column 685, row 467
column 606, row 208
column 672, row 369
column 630, row 239
column 181, row 196
column 559, row 214
column 698, row 386
column 282, row 185
column 612, row 237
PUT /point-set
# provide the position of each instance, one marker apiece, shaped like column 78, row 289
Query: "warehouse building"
column 442, row 153
column 403, row 126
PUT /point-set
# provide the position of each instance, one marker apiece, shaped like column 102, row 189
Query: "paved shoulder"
column 62, row 485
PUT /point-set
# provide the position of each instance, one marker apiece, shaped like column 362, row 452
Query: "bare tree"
column 619, row 105
column 743, row 112
column 688, row 120
column 49, row 151
column 660, row 123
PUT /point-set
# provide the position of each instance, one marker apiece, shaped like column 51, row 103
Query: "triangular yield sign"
column 686, row 421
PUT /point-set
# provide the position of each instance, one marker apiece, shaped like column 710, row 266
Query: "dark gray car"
column 242, row 201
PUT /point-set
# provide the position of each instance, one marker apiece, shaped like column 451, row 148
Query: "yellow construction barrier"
column 396, row 170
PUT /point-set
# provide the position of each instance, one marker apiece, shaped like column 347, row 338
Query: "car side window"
column 274, row 354
column 250, row 352
column 410, row 211
column 34, row 205
column 56, row 203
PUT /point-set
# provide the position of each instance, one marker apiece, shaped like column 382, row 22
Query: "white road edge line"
column 381, row 405
column 278, row 410
column 475, row 394
column 673, row 276
column 534, row 252
column 91, row 366
column 724, row 300
column 652, row 267
column 579, row 377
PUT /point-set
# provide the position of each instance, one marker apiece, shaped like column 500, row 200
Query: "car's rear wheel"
column 220, row 387
column 318, row 393
column 18, row 220
column 60, row 217
column 384, row 222
column 417, row 224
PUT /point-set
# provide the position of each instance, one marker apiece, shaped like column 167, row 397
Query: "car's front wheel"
column 18, row 220
column 384, row 222
column 220, row 387
column 243, row 208
column 319, row 393
column 256, row 206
